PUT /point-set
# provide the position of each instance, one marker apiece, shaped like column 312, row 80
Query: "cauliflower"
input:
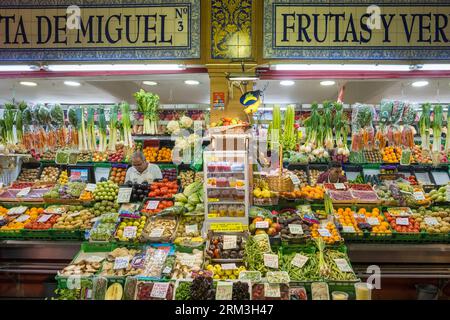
column 192, row 139
column 173, row 127
column 186, row 122
column 182, row 143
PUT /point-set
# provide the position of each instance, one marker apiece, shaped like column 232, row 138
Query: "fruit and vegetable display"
column 75, row 219
column 106, row 190
column 117, row 175
column 149, row 208
column 49, row 174
column 225, row 247
column 154, row 154
column 130, row 229
column 163, row 189
column 28, row 174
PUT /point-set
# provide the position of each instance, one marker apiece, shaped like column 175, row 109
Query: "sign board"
column 100, row 30
column 356, row 30
column 218, row 100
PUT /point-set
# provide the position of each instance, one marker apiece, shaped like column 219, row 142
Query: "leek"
column 437, row 128
column 8, row 118
column 126, row 123
column 113, row 127
column 275, row 130
column 289, row 139
column 328, row 125
column 101, row 129
column 19, row 126
column 424, row 126
column 148, row 103
column 82, row 136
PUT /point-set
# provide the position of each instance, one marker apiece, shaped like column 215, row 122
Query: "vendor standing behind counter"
column 141, row 170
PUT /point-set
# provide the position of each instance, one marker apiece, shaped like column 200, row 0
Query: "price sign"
column 224, row 290
column 152, row 205
column 121, row 262
column 348, row 229
column 22, row 218
column 447, row 195
column 431, row 221
column 73, row 214
column 295, row 180
column 188, row 261
column 419, row 196
column 23, row 192
column 262, row 224
column 90, row 187
column 129, row 232
column 167, row 270
column 299, row 260
column 271, row 260
column 295, row 228
column 324, row 232
column 229, row 242
column 124, row 195
column 339, row 186
column 343, row 265
column 159, row 290
column 402, row 221
column 373, row 221
column 156, row 233
column 191, row 228
column 272, row 290
column 44, row 218
column 229, row 266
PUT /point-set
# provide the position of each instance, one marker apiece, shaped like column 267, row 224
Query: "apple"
column 272, row 231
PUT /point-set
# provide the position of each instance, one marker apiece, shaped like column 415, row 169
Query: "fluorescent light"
column 115, row 67
column 243, row 76
column 28, row 83
column 327, row 83
column 150, row 83
column 435, row 67
column 192, row 82
column 418, row 84
column 72, row 83
column 340, row 67
column 12, row 68
column 287, row 83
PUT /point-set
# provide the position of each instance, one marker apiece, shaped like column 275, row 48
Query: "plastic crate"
column 36, row 234
column 434, row 237
column 64, row 234
column 406, row 237
column 11, row 234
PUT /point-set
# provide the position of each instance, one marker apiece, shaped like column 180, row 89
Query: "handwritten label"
column 229, row 266
column 324, row 232
column 159, row 290
column 90, row 187
column 299, row 260
column 295, row 180
column 152, row 205
column 262, row 224
column 272, row 290
column 73, row 214
column 254, row 276
column 295, row 228
column 129, row 232
column 22, row 218
column 348, row 229
column 156, row 233
column 23, row 192
column 224, row 290
column 121, row 262
column 229, row 242
column 402, row 221
column 419, row 196
column 17, row 210
column 373, row 221
column 431, row 221
column 343, row 265
column 187, row 260
column 124, row 195
column 44, row 218
column 167, row 270
column 339, row 186
column 271, row 260
column 191, row 228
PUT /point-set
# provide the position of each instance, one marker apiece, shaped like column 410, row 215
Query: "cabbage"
column 179, row 204
column 186, row 122
column 179, row 197
column 193, row 199
column 200, row 207
column 192, row 188
column 189, row 207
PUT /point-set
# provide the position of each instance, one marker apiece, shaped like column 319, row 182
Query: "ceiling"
column 173, row 90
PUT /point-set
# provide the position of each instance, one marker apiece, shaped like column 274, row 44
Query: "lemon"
column 229, row 272
column 236, row 272
column 136, row 224
column 119, row 233
column 232, row 277
column 129, row 224
column 217, row 277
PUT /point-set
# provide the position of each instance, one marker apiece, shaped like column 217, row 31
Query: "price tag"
column 402, row 221
column 373, row 221
column 90, row 187
column 152, row 205
column 44, row 218
column 159, row 290
column 348, row 229
column 271, row 260
column 262, row 224
column 224, row 290
column 121, row 262
column 188, row 261
column 295, row 180
column 191, row 228
column 23, row 192
column 339, row 186
column 431, row 221
column 73, row 214
column 229, row 242
column 156, row 233
column 22, row 218
column 124, row 195
column 447, row 195
column 295, row 228
column 167, row 270
column 229, row 266
column 129, row 232
column 324, row 232
column 343, row 265
column 419, row 196
column 299, row 260
column 272, row 290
